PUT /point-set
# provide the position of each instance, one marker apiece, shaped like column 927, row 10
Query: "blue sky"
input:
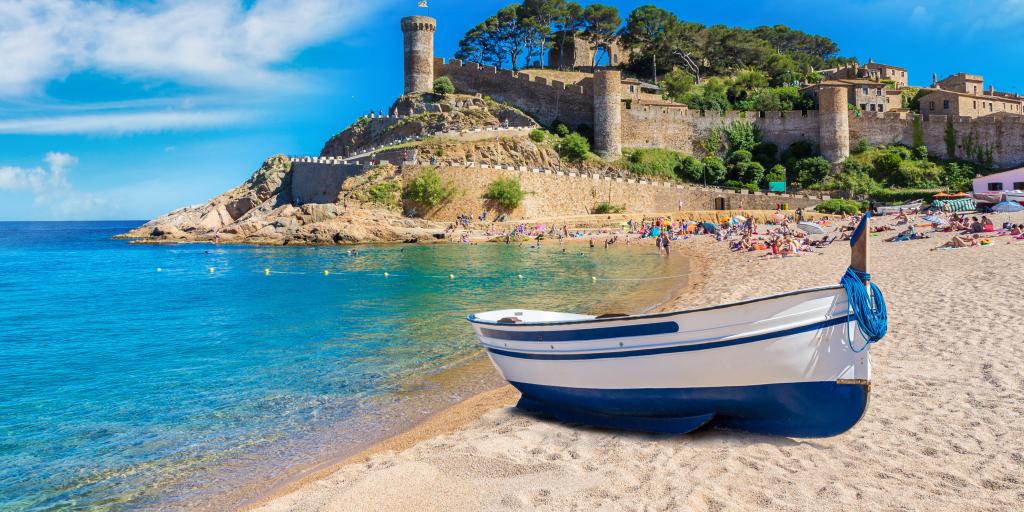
column 126, row 110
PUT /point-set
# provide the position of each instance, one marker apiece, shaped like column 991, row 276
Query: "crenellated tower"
column 418, row 32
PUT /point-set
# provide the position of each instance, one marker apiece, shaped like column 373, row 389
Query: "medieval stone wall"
column 542, row 99
column 320, row 181
column 552, row 194
column 683, row 129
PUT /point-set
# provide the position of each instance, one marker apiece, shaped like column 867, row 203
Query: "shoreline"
column 930, row 447
column 464, row 412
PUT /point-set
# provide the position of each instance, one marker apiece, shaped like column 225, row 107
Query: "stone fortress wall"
column 680, row 128
column 552, row 194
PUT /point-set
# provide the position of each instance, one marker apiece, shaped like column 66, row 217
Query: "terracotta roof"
column 875, row 64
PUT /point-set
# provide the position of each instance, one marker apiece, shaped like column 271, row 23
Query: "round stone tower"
column 833, row 124
column 419, row 53
column 608, row 113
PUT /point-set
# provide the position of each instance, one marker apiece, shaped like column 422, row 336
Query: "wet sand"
column 944, row 429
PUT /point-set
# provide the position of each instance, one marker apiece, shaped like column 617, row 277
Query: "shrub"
column 860, row 147
column 749, row 172
column 740, row 155
column 537, row 135
column 752, row 187
column 839, row 206
column 766, row 153
column 921, row 152
column 506, row 193
column 886, row 166
column 606, row 207
column 776, row 174
column 690, row 169
column 574, row 147
column 443, row 86
column 427, row 189
column 733, row 184
column 559, row 128
column 714, row 169
column 652, row 162
column 742, row 135
column 385, row 193
column 811, row 170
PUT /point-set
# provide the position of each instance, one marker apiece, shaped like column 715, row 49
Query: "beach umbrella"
column 811, row 228
column 710, row 227
column 1007, row 207
column 935, row 219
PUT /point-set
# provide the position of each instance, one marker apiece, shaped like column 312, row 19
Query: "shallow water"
column 124, row 387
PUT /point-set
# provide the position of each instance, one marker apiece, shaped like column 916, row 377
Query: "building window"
column 990, row 106
column 878, row 92
column 864, row 90
column 863, row 106
column 931, row 105
column 995, row 187
column 632, row 88
column 975, row 105
column 1018, row 185
column 871, row 107
column 945, row 104
column 881, row 108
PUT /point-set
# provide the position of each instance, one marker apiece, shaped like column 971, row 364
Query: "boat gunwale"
column 472, row 318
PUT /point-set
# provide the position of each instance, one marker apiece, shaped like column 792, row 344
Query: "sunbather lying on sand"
column 959, row 241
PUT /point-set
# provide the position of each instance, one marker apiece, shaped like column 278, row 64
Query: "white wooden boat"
column 794, row 364
column 1015, row 195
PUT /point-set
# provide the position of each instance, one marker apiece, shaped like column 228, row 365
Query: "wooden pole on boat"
column 859, row 245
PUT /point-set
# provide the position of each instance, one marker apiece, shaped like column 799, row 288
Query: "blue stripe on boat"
column 669, row 350
column 799, row 409
column 599, row 333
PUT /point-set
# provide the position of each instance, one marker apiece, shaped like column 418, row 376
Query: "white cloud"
column 51, row 191
column 117, row 123
column 198, row 42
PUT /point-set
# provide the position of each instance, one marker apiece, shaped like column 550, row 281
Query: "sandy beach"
column 943, row 430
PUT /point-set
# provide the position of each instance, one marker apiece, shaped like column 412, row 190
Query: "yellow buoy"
column 520, row 276
column 385, row 274
column 451, row 276
column 211, row 270
column 158, row 269
column 266, row 271
column 593, row 278
column 327, row 272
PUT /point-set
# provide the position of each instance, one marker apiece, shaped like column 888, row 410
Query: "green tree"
column 568, row 22
column 742, row 135
column 676, row 84
column 574, row 147
column 601, row 24
column 776, row 174
column 537, row 135
column 443, row 86
column 427, row 189
column 714, row 169
column 950, row 139
column 690, row 169
column 650, row 31
column 812, row 170
column 886, row 167
column 506, row 193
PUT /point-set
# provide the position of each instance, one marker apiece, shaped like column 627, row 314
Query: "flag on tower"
column 423, row 3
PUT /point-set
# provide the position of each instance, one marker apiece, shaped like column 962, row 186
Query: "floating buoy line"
column 451, row 276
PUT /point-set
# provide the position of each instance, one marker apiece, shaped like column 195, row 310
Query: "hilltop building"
column 868, row 95
column 964, row 95
column 871, row 71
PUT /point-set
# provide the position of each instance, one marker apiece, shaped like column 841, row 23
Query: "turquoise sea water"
column 122, row 387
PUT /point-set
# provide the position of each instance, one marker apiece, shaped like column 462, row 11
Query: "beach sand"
column 944, row 429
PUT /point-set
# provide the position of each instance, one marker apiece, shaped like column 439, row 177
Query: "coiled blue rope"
column 868, row 308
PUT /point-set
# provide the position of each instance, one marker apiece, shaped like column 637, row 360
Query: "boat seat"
column 510, row 320
column 611, row 315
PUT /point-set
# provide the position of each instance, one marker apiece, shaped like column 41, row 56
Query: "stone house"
column 964, row 95
column 868, row 95
column 870, row 71
column 896, row 74
column 578, row 53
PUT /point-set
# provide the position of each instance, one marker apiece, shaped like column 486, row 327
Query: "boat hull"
column 782, row 365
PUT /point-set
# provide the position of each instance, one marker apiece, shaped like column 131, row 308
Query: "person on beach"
column 665, row 242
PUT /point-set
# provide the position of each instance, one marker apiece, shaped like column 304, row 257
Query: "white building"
column 1000, row 181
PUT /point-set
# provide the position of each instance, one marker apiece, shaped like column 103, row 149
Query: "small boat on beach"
column 908, row 208
column 794, row 364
